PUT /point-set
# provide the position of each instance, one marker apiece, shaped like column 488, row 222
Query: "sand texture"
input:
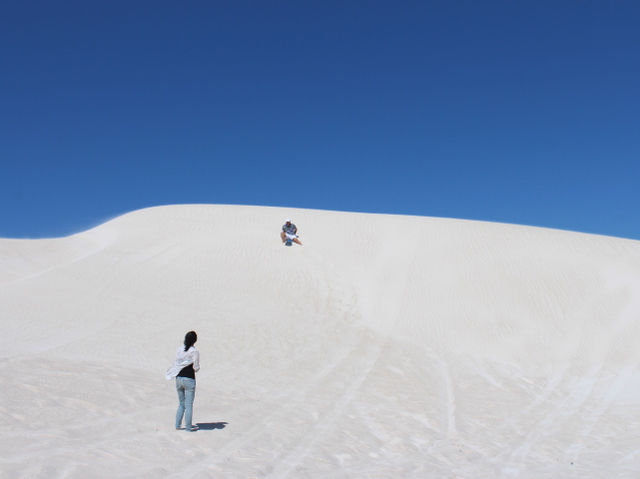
column 384, row 347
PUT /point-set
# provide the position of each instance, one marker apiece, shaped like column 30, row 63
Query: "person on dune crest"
column 289, row 233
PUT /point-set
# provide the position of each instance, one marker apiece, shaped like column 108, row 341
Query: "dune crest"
column 386, row 346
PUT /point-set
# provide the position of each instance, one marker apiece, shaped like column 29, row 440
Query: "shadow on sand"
column 208, row 426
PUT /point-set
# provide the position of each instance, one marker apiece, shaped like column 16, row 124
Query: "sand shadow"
column 209, row 426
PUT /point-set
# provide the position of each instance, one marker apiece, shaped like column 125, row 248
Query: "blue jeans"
column 186, row 388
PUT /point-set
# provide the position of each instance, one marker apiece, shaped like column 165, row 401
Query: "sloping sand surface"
column 385, row 347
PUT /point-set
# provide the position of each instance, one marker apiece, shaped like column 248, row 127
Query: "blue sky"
column 518, row 112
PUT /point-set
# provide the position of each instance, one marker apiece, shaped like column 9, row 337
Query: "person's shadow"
column 209, row 426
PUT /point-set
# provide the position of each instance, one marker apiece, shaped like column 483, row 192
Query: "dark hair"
column 190, row 339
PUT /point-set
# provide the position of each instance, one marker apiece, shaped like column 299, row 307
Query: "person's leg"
column 283, row 236
column 296, row 240
column 189, row 393
column 181, row 402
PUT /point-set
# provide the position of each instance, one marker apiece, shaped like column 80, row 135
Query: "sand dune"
column 385, row 347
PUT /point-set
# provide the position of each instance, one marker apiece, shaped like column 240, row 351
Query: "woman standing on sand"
column 184, row 370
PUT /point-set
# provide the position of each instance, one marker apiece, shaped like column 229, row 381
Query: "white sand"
column 385, row 347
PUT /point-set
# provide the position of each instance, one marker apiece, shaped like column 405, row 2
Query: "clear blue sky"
column 510, row 111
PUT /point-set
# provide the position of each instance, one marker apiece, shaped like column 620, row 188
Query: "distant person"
column 289, row 233
column 184, row 369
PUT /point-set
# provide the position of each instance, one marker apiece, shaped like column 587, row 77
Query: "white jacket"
column 183, row 359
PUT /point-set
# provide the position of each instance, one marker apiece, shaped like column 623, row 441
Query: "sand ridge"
column 386, row 346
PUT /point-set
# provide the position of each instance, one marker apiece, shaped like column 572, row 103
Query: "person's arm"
column 196, row 360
